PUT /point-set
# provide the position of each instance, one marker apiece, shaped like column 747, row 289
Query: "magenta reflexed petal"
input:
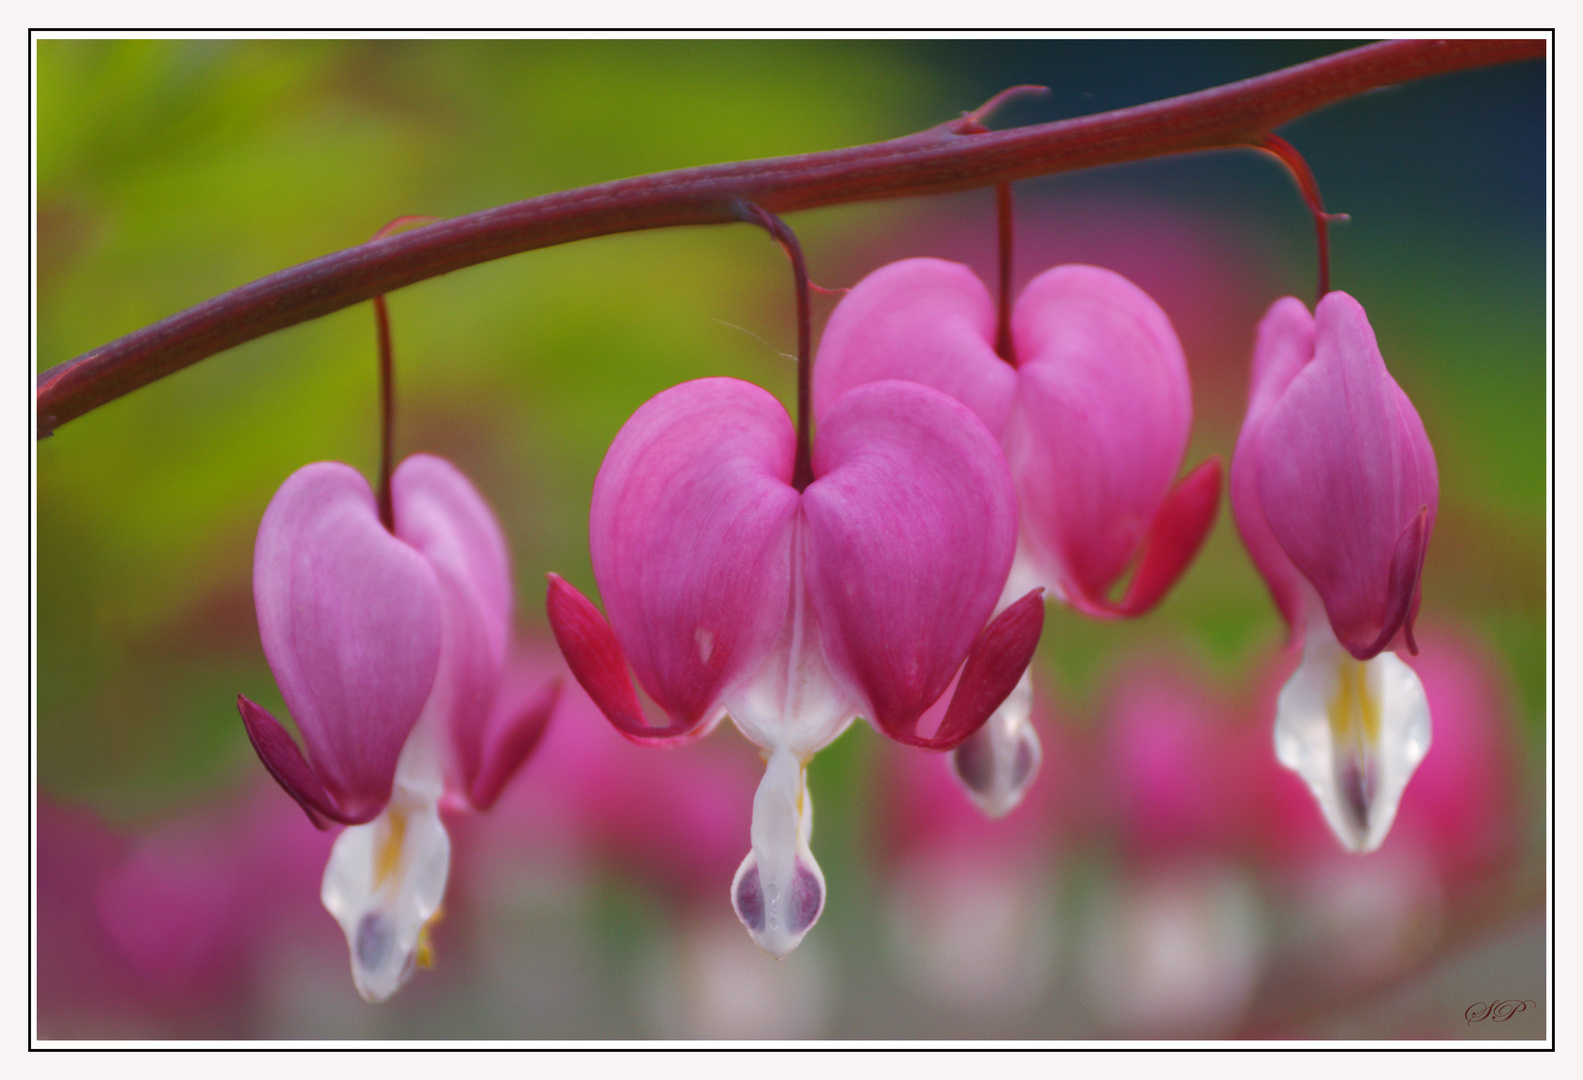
column 998, row 660
column 924, row 320
column 1402, row 593
column 349, row 617
column 911, row 531
column 440, row 514
column 1285, row 343
column 690, row 534
column 1100, row 422
column 1340, row 476
column 292, row 771
column 595, row 657
column 1178, row 532
column 513, row 733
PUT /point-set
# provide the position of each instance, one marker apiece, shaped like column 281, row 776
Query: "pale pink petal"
column 1285, row 343
column 689, row 532
column 911, row 531
column 516, row 727
column 1099, row 425
column 441, row 515
column 924, row 320
column 349, row 617
column 1344, row 477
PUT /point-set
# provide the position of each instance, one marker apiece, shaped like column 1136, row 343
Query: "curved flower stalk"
column 1334, row 490
column 731, row 591
column 1092, row 407
column 388, row 649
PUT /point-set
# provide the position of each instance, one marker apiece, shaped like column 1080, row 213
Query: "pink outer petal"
column 1343, row 471
column 924, row 320
column 1100, row 423
column 516, row 727
column 1285, row 343
column 595, row 657
column 349, row 617
column 911, row 531
column 1174, row 538
column 690, row 533
column 999, row 657
column 441, row 515
column 291, row 770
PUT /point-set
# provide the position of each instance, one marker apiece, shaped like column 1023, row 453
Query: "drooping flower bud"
column 1335, row 490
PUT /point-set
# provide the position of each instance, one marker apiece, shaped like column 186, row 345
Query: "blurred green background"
column 168, row 172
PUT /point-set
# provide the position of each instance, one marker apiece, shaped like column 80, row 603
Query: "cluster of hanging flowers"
column 972, row 461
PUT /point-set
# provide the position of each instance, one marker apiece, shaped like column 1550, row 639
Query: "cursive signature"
column 1498, row 1011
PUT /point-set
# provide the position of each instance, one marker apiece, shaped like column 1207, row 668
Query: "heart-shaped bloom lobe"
column 1341, row 472
column 690, row 532
column 1098, row 432
column 731, row 592
column 349, row 617
column 1093, row 417
column 923, row 320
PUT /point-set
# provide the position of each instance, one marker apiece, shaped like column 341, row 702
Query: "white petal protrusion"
column 385, row 879
column 998, row 763
column 778, row 891
column 1354, row 730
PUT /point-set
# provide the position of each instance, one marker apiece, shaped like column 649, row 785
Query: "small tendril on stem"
column 802, row 469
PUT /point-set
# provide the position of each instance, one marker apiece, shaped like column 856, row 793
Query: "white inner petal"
column 998, row 763
column 1354, row 731
column 385, row 879
column 793, row 700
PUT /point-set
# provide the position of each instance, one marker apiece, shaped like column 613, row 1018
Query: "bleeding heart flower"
column 1334, row 490
column 1092, row 407
column 388, row 648
column 731, row 591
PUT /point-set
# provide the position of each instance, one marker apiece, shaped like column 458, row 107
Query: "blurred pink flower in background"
column 974, row 913
column 174, row 932
column 1175, row 937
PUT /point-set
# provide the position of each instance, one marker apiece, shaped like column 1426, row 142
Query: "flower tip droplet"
column 779, row 891
column 999, row 762
column 778, row 923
